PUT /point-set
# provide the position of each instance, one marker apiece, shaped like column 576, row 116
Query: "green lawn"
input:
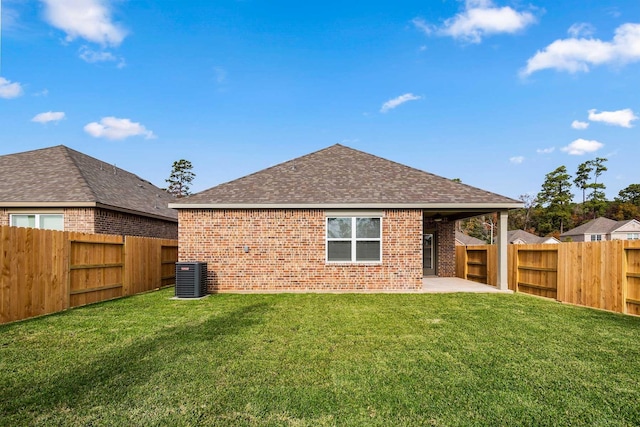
column 310, row 359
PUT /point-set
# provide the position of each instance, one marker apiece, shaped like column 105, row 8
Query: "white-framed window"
column 354, row 239
column 633, row 236
column 46, row 221
column 596, row 237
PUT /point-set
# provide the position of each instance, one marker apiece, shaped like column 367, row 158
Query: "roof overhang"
column 83, row 205
column 441, row 207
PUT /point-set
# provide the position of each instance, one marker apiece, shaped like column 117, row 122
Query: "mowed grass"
column 322, row 359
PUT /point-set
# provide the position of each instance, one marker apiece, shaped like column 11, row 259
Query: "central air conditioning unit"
column 191, row 279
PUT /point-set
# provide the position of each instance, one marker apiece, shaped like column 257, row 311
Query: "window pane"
column 368, row 251
column 339, row 228
column 52, row 222
column 368, row 228
column 339, row 251
column 23, row 220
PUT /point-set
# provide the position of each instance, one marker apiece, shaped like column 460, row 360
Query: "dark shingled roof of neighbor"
column 63, row 177
column 340, row 175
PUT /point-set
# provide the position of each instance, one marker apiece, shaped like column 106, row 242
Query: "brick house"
column 62, row 189
column 337, row 219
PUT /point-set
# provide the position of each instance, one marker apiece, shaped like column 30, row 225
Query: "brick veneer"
column 103, row 221
column 287, row 251
column 112, row 222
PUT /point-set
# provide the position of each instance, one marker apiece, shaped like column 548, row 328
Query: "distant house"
column 466, row 240
column 521, row 237
column 62, row 189
column 337, row 219
column 604, row 229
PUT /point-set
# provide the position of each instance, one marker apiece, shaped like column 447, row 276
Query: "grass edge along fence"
column 604, row 275
column 46, row 271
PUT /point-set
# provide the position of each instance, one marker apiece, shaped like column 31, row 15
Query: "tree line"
column 553, row 210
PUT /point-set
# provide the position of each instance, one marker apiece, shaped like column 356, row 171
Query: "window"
column 353, row 239
column 48, row 221
column 633, row 236
column 596, row 237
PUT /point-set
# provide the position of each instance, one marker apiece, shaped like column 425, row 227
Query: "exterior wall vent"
column 191, row 279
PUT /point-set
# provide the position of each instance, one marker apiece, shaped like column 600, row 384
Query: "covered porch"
column 438, row 244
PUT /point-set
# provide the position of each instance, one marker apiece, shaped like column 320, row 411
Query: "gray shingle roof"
column 600, row 225
column 339, row 175
column 63, row 177
column 513, row 235
column 467, row 240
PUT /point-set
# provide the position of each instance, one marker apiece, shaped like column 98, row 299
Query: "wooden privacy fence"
column 602, row 275
column 45, row 271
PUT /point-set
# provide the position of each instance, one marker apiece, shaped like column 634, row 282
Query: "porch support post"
column 503, row 274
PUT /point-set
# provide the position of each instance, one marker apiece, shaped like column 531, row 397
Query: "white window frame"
column 37, row 218
column 353, row 239
column 596, row 237
column 633, row 236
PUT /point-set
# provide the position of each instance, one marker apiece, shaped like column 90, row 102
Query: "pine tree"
column 181, row 178
column 556, row 197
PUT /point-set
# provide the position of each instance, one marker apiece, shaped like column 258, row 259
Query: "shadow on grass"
column 108, row 376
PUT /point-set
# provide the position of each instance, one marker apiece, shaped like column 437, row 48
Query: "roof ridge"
column 85, row 182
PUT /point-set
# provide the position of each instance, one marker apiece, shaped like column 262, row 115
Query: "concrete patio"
column 455, row 284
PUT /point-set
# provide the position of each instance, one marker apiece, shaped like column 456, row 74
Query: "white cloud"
column 395, row 102
column 582, row 146
column 115, row 128
column 9, row 90
column 577, row 54
column 92, row 56
column 577, row 124
column 581, row 29
column 546, row 150
column 516, row 160
column 49, row 116
column 481, row 18
column 621, row 118
column 87, row 19
column 420, row 24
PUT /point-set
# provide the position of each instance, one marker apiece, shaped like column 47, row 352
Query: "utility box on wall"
column 191, row 279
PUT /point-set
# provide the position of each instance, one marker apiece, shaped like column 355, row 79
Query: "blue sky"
column 496, row 93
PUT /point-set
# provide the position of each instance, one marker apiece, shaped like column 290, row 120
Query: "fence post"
column 624, row 278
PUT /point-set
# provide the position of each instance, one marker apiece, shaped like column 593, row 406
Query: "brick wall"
column 112, row 222
column 446, row 233
column 102, row 221
column 79, row 219
column 287, row 251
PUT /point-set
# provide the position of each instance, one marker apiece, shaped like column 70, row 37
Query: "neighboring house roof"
column 600, row 225
column 466, row 240
column 524, row 237
column 342, row 177
column 61, row 177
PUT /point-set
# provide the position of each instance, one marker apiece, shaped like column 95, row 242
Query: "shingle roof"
column 513, row 235
column 600, row 225
column 467, row 240
column 62, row 176
column 339, row 175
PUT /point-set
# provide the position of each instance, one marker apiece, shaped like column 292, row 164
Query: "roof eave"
column 84, row 205
column 432, row 206
column 10, row 204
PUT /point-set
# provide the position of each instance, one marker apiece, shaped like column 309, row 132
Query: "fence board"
column 45, row 271
column 603, row 275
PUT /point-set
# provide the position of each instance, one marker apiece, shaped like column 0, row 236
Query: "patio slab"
column 455, row 284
